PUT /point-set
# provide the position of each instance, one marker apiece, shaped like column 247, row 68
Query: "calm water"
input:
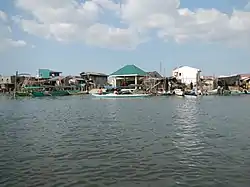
column 81, row 141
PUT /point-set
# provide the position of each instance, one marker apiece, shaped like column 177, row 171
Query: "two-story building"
column 6, row 83
column 187, row 74
column 48, row 74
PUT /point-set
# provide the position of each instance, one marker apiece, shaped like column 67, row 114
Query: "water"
column 80, row 141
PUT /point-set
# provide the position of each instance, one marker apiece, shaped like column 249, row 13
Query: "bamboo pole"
column 15, row 88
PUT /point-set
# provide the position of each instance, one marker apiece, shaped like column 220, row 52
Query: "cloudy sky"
column 102, row 35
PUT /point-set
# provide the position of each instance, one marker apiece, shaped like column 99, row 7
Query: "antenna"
column 160, row 67
column 120, row 3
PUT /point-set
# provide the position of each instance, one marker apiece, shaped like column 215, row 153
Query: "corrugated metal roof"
column 93, row 73
column 154, row 74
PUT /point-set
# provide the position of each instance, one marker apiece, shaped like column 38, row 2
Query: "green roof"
column 129, row 70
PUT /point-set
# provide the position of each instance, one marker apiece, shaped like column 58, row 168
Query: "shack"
column 226, row 81
column 94, row 80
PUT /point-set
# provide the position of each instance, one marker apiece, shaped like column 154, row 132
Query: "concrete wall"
column 5, row 80
column 186, row 74
column 6, row 83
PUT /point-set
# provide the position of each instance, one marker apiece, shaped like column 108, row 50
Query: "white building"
column 5, row 81
column 186, row 74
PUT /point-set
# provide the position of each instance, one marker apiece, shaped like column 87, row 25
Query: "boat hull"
column 190, row 96
column 50, row 93
column 121, row 95
column 164, row 93
column 187, row 94
column 179, row 92
column 77, row 92
column 23, row 94
column 236, row 93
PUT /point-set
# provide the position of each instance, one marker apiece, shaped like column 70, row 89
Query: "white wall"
column 186, row 74
column 5, row 79
column 112, row 81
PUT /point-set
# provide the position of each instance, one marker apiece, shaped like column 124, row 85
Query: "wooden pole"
column 15, row 88
column 160, row 68
column 165, row 87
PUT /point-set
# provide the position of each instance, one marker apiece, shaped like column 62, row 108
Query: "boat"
column 50, row 93
column 236, row 92
column 112, row 95
column 178, row 92
column 190, row 94
column 164, row 93
column 231, row 93
column 22, row 94
column 27, row 91
column 77, row 92
column 246, row 92
column 212, row 92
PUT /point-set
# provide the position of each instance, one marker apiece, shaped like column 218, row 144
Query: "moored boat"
column 23, row 94
column 50, row 93
column 178, row 92
column 164, row 93
column 112, row 95
column 27, row 91
column 236, row 92
column 212, row 92
column 77, row 92
column 246, row 92
column 192, row 93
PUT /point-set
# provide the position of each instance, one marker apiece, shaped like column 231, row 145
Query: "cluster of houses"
column 127, row 76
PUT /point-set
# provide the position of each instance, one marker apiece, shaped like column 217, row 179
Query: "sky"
column 74, row 36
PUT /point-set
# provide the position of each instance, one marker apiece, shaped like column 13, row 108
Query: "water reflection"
column 152, row 142
column 187, row 130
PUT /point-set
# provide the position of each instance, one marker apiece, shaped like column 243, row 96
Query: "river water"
column 158, row 142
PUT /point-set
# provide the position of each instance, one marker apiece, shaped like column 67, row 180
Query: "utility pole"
column 15, row 89
column 165, row 86
column 160, row 68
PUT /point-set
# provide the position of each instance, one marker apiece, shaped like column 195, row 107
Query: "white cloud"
column 5, row 34
column 71, row 20
column 6, row 43
column 182, row 24
column 247, row 7
column 68, row 20
column 16, row 43
column 3, row 16
column 105, row 36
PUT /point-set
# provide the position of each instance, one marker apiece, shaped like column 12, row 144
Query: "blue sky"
column 108, row 37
